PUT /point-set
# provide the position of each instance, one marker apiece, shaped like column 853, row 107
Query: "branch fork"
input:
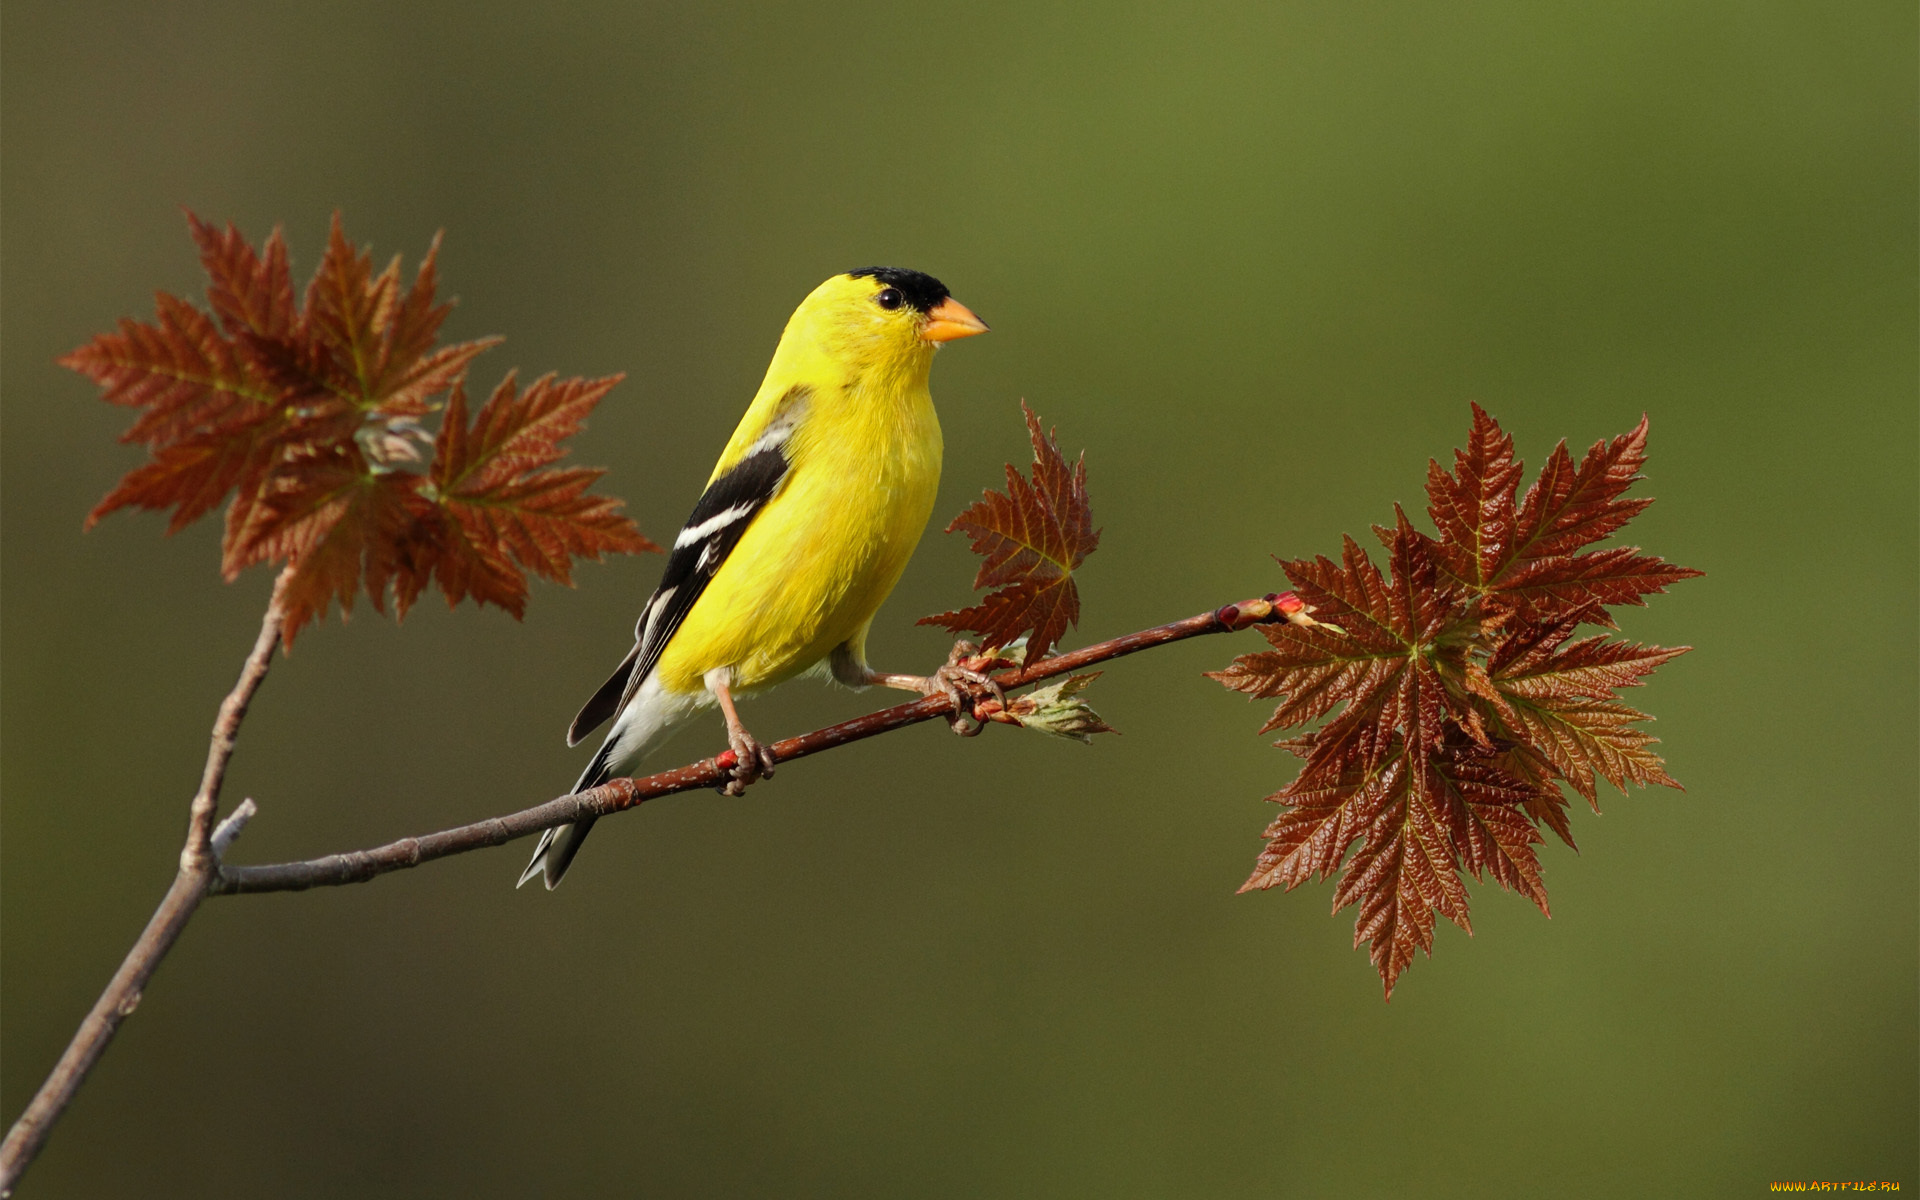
column 203, row 873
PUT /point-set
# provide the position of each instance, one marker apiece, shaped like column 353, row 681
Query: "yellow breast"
column 822, row 556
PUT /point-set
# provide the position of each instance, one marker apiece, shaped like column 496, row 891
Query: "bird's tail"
column 652, row 716
column 558, row 845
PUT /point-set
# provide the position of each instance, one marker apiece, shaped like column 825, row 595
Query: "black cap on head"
column 921, row 290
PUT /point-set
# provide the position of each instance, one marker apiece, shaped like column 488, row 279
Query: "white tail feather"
column 649, row 719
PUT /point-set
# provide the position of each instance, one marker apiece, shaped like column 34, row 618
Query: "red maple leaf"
column 1033, row 538
column 1519, row 553
column 502, row 495
column 1453, row 699
column 304, row 420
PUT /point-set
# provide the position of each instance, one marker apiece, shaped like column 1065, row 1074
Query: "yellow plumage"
column 806, row 524
column 819, row 559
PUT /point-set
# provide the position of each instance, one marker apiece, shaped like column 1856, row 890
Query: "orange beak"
column 949, row 320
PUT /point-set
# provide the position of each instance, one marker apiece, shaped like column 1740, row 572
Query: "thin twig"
column 198, row 868
column 231, row 827
column 202, row 873
column 198, row 854
column 359, row 866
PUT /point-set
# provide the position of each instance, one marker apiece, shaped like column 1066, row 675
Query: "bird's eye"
column 890, row 299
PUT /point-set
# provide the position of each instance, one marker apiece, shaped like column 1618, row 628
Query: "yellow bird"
column 806, row 524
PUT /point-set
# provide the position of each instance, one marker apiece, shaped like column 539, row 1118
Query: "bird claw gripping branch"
column 963, row 679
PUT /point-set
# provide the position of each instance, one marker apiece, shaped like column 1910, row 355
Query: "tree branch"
column 359, row 866
column 199, row 866
column 202, row 873
column 199, row 852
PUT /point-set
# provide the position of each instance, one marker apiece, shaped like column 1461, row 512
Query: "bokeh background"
column 1256, row 259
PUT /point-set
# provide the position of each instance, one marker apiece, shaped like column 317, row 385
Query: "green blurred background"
column 1256, row 260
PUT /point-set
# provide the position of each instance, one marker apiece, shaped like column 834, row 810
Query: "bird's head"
column 882, row 317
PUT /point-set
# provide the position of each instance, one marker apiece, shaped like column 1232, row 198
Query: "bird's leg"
column 947, row 681
column 751, row 760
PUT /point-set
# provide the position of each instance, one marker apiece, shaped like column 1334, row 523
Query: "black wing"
column 730, row 504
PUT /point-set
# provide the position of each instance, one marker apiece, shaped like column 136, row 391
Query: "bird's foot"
column 967, row 686
column 963, row 680
column 752, row 761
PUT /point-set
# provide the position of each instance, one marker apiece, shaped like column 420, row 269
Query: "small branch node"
column 229, row 829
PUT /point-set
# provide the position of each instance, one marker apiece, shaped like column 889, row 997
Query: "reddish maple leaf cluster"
column 308, row 416
column 1033, row 539
column 1455, row 694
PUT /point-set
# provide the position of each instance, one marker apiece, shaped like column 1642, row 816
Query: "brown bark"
column 202, row 874
column 199, row 867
